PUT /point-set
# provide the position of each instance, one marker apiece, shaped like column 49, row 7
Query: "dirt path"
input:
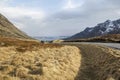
column 98, row 63
column 86, row 72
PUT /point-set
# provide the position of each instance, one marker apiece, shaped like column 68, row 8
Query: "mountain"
column 7, row 29
column 108, row 27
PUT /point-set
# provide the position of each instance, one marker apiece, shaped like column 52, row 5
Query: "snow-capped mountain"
column 108, row 27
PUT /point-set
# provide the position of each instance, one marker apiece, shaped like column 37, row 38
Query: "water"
column 44, row 38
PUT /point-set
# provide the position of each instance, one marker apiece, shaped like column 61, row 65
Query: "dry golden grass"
column 7, row 41
column 29, row 60
column 57, row 41
column 23, row 61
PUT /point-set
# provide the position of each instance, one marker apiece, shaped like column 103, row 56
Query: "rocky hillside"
column 7, row 29
column 108, row 27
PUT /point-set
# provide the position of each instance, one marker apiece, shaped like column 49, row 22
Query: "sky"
column 58, row 17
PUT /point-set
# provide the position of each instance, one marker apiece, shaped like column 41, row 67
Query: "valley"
column 25, row 58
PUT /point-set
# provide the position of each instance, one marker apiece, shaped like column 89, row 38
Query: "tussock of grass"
column 23, row 61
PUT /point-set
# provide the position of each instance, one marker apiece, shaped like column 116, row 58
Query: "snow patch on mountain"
column 109, row 27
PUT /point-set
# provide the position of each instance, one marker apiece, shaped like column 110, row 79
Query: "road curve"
column 112, row 45
column 98, row 62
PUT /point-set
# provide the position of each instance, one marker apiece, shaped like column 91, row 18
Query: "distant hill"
column 107, row 27
column 7, row 29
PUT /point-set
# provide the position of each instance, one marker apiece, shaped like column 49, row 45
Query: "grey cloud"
column 69, row 22
column 91, row 13
column 88, row 9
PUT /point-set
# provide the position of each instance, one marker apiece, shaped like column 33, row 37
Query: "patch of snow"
column 111, row 24
column 109, row 27
column 118, row 25
column 108, row 30
column 90, row 30
column 101, row 32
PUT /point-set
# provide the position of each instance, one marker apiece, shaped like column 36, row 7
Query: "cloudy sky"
column 58, row 17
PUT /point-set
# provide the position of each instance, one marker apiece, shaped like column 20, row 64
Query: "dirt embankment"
column 40, row 63
column 99, row 63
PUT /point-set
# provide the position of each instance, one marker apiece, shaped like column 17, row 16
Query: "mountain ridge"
column 107, row 27
column 7, row 29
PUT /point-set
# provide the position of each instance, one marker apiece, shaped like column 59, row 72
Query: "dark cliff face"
column 7, row 29
column 108, row 27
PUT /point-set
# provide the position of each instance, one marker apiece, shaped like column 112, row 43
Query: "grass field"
column 30, row 60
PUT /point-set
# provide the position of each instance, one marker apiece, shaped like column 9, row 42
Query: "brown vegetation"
column 57, row 41
column 106, row 38
column 23, row 45
column 30, row 60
